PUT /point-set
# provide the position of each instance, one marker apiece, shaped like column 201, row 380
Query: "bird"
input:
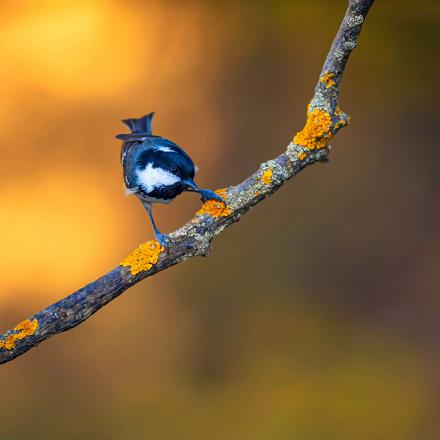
column 156, row 170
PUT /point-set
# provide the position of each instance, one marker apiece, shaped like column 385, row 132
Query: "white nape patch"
column 165, row 149
column 150, row 178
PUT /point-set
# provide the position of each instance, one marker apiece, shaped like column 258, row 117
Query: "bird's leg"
column 162, row 238
column 207, row 194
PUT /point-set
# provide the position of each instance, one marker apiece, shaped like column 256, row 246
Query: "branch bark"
column 309, row 146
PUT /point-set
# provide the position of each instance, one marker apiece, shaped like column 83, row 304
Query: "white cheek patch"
column 151, row 178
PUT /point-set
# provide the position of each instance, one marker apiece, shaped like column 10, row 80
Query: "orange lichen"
column 144, row 257
column 215, row 208
column 266, row 178
column 26, row 328
column 8, row 343
column 342, row 121
column 302, row 156
column 327, row 79
column 316, row 132
column 340, row 124
column 22, row 330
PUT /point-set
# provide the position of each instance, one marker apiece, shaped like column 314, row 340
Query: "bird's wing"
column 128, row 153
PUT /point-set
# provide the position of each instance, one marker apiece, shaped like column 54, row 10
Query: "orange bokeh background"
column 314, row 317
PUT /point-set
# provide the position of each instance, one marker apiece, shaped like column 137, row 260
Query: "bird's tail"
column 138, row 127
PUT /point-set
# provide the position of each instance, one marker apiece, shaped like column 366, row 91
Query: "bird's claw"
column 207, row 194
column 163, row 239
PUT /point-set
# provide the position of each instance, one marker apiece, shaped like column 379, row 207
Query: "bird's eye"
column 175, row 170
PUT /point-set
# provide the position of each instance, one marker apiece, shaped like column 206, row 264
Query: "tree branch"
column 310, row 145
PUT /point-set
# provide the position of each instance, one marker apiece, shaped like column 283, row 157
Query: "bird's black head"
column 165, row 155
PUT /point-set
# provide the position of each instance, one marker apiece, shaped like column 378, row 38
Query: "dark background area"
column 316, row 316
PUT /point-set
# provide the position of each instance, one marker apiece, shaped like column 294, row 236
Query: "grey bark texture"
column 308, row 147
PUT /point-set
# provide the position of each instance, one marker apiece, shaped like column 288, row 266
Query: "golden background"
column 315, row 317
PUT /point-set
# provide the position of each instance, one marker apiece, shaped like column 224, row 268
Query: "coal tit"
column 155, row 169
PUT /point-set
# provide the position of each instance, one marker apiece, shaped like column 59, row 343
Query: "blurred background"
column 315, row 317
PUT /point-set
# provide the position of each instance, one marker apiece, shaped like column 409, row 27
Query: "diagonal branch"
column 309, row 146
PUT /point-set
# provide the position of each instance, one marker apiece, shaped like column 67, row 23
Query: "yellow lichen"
column 266, row 178
column 340, row 124
column 302, row 156
column 316, row 132
column 327, row 79
column 342, row 121
column 24, row 329
column 215, row 208
column 144, row 257
column 8, row 343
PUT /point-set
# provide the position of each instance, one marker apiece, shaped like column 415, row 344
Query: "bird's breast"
column 151, row 178
column 156, row 185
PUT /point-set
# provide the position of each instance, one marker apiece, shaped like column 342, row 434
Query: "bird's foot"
column 163, row 239
column 207, row 194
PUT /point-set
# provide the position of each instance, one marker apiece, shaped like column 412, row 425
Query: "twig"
column 308, row 147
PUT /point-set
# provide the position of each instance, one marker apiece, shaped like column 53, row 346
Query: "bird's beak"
column 191, row 185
